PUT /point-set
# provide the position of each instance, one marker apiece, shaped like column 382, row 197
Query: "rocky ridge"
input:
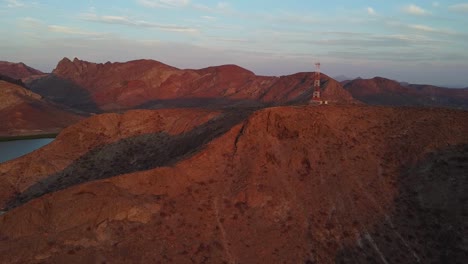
column 382, row 91
column 23, row 112
column 113, row 86
column 346, row 184
column 17, row 70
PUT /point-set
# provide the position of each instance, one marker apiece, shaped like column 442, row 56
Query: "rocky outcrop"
column 114, row 86
column 284, row 184
column 381, row 91
column 97, row 131
column 23, row 112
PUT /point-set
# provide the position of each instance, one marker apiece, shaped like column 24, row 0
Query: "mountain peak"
column 66, row 66
column 65, row 60
column 136, row 82
column 17, row 70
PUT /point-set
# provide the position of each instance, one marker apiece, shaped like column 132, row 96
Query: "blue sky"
column 414, row 41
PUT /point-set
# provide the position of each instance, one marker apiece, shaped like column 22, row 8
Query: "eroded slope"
column 287, row 184
column 23, row 112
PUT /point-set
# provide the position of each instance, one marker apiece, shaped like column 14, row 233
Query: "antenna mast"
column 316, row 94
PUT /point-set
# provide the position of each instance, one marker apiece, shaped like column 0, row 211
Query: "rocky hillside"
column 23, row 112
column 381, row 91
column 327, row 184
column 17, row 70
column 151, row 84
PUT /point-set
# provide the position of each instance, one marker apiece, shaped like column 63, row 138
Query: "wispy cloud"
column 462, row 7
column 30, row 22
column 164, row 3
column 443, row 34
column 435, row 4
column 70, row 30
column 223, row 5
column 395, row 56
column 425, row 28
column 371, row 11
column 209, row 18
column 231, row 40
column 220, row 7
column 122, row 20
column 376, row 41
column 290, row 18
column 15, row 3
column 415, row 10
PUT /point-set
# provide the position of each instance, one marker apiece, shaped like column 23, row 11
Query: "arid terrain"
column 97, row 87
column 382, row 91
column 81, row 88
column 219, row 165
column 290, row 184
column 233, row 132
column 23, row 112
column 17, row 70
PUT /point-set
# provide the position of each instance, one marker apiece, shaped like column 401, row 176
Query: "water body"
column 13, row 149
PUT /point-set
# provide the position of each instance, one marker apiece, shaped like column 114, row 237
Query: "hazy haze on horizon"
column 413, row 41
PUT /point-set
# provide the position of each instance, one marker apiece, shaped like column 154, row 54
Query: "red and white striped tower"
column 316, row 94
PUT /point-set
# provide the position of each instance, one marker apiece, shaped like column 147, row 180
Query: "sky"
column 413, row 41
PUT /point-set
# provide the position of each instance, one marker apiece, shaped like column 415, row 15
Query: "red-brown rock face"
column 131, row 84
column 17, row 70
column 381, row 91
column 23, row 112
column 94, row 132
column 327, row 184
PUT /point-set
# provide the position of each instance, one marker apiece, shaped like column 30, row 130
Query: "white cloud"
column 122, row 20
column 70, row 30
column 220, row 7
column 30, row 22
column 429, row 29
column 415, row 10
column 423, row 28
column 223, row 5
column 209, row 18
column 15, row 3
column 371, row 11
column 461, row 7
column 435, row 4
column 233, row 40
column 164, row 3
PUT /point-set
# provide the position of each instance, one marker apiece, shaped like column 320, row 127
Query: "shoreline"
column 26, row 137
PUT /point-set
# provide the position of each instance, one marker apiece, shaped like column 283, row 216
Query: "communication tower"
column 316, row 94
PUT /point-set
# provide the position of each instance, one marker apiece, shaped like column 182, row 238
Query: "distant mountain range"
column 382, row 91
column 342, row 78
column 148, row 83
column 84, row 87
column 262, row 177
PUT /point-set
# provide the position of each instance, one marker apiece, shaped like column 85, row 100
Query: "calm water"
column 13, row 149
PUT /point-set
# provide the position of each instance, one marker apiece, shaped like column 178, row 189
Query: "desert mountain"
column 302, row 184
column 342, row 78
column 151, row 84
column 381, row 91
column 17, row 70
column 23, row 112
